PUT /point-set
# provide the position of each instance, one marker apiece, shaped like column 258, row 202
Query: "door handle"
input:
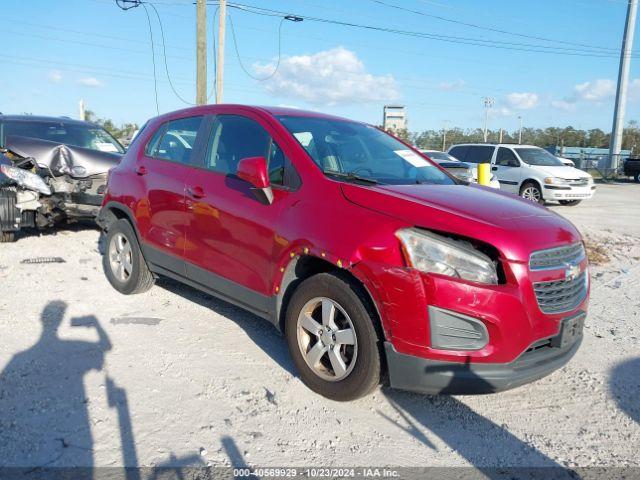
column 494, row 168
column 195, row 192
column 141, row 170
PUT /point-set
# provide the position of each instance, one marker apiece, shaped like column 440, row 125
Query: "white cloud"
column 566, row 105
column 523, row 101
column 90, row 82
column 54, row 76
column 452, row 86
column 327, row 78
column 595, row 91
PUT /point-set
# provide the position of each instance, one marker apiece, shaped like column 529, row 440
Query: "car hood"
column 513, row 225
column 61, row 158
column 563, row 171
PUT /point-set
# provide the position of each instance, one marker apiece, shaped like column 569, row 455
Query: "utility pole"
column 623, row 81
column 520, row 131
column 201, row 53
column 222, row 23
column 81, row 110
column 444, row 137
column 488, row 103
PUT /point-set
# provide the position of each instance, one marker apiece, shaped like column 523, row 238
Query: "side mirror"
column 253, row 170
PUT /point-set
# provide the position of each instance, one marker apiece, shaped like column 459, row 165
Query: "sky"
column 57, row 52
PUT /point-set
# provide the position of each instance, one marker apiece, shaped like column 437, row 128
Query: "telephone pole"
column 444, row 137
column 520, row 131
column 222, row 23
column 488, row 103
column 623, row 81
column 201, row 52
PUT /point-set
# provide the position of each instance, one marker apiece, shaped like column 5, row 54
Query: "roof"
column 42, row 118
column 494, row 145
column 272, row 111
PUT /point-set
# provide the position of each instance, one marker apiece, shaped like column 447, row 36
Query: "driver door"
column 507, row 169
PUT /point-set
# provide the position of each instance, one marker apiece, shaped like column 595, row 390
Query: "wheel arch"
column 531, row 180
column 305, row 266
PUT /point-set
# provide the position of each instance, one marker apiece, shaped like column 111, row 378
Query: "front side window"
column 538, row 157
column 174, row 140
column 459, row 152
column 234, row 138
column 352, row 151
column 506, row 158
column 85, row 135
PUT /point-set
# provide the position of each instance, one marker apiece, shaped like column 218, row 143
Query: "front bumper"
column 562, row 192
column 408, row 372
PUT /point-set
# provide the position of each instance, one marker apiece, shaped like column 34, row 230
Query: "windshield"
column 356, row 151
column 83, row 135
column 539, row 157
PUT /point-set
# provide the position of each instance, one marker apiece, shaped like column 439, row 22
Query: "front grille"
column 577, row 182
column 556, row 258
column 560, row 296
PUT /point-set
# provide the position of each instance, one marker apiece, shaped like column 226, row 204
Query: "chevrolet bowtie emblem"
column 571, row 272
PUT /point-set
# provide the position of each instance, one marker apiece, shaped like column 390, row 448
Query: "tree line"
column 541, row 137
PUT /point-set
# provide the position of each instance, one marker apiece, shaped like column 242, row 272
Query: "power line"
column 153, row 57
column 235, row 44
column 490, row 29
column 445, row 38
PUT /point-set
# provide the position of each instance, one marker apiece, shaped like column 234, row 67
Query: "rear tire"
column 331, row 314
column 122, row 260
column 569, row 203
column 531, row 191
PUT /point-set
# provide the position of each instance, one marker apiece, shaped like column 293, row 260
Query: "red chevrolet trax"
column 371, row 259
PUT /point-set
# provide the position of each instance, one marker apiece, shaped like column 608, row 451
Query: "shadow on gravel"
column 625, row 387
column 44, row 418
column 491, row 448
column 263, row 333
column 62, row 229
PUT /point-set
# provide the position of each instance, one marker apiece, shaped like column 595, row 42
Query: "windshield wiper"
column 351, row 176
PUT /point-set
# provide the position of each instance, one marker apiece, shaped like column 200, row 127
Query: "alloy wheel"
column 327, row 339
column 120, row 257
column 531, row 193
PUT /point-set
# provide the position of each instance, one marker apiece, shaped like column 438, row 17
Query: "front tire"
column 332, row 337
column 122, row 261
column 569, row 203
column 531, row 191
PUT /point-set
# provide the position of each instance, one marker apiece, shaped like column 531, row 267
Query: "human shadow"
column 44, row 417
column 260, row 331
column 494, row 451
column 624, row 385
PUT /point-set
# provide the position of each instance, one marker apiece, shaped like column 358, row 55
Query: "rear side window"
column 479, row 154
column 174, row 140
column 459, row 152
column 506, row 158
column 234, row 138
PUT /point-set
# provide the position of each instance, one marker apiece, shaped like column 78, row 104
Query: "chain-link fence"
column 600, row 166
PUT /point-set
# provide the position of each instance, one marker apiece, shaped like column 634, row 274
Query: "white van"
column 529, row 171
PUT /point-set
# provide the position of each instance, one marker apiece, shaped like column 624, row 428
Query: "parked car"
column 366, row 255
column 632, row 168
column 462, row 170
column 529, row 171
column 52, row 170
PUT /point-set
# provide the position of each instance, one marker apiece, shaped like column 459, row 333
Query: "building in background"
column 394, row 118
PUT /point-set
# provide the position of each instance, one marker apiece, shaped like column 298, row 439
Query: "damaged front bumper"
column 408, row 372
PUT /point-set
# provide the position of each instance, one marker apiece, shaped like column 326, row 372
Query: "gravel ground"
column 174, row 377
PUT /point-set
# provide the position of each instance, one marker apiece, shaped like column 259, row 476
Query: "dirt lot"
column 174, row 377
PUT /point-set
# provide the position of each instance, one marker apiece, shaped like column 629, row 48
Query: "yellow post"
column 484, row 173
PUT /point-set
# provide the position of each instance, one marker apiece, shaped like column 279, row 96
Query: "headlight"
column 433, row 253
column 555, row 181
column 25, row 179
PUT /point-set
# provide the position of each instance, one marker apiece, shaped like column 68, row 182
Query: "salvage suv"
column 372, row 260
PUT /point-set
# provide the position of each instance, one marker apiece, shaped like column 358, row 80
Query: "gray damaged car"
column 52, row 170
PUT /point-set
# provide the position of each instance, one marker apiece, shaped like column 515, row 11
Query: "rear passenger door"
column 162, row 170
column 507, row 169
